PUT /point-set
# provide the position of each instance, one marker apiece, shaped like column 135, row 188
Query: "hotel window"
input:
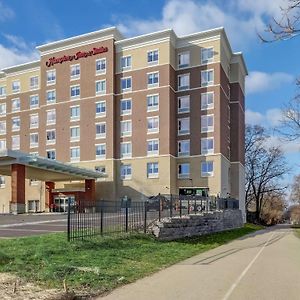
column 207, row 55
column 125, row 107
column 2, row 91
column 15, row 124
column 34, row 121
column 101, row 109
column 183, row 126
column 207, row 77
column 152, row 102
column 183, row 104
column 126, row 62
column 2, row 144
column 126, row 149
column 34, row 140
column 34, row 101
column 101, row 151
column 51, row 137
column 184, row 170
column 152, row 147
column 101, row 130
column 153, row 124
column 184, row 148
column 15, row 142
column 207, row 123
column 3, row 127
column 101, row 66
column 51, row 116
column 51, row 154
column 153, row 79
column 152, row 170
column 2, row 109
column 126, row 128
column 75, row 91
column 183, row 82
column 75, row 113
column 75, row 71
column 126, row 84
column 51, row 77
column 207, row 168
column 75, row 153
column 100, row 169
column 207, row 145
column 51, row 96
column 207, row 101
column 15, row 86
column 2, row 182
column 15, row 105
column 152, row 57
column 75, row 134
column 183, row 60
column 34, row 82
column 125, row 172
column 100, row 87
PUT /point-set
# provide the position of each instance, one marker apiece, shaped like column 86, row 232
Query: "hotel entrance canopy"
column 43, row 169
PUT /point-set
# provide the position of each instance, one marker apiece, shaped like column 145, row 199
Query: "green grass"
column 49, row 259
column 297, row 231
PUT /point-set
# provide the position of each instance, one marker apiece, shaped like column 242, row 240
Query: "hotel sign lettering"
column 81, row 54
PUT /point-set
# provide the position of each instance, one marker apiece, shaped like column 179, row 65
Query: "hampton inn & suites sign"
column 81, row 54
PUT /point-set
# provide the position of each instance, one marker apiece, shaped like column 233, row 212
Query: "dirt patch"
column 12, row 287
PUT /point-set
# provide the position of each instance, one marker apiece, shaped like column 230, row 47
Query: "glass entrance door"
column 61, row 203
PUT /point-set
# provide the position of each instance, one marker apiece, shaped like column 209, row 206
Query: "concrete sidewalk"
column 263, row 265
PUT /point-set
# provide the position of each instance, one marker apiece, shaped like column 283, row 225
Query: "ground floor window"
column 33, row 205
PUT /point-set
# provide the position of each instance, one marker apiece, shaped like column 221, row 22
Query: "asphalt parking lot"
column 12, row 226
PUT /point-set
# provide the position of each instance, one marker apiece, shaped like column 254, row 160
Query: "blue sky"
column 273, row 67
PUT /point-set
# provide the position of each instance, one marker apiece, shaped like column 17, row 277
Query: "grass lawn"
column 297, row 230
column 101, row 264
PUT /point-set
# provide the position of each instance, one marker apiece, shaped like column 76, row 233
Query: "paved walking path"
column 261, row 266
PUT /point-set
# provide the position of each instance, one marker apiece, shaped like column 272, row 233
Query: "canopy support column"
column 17, row 204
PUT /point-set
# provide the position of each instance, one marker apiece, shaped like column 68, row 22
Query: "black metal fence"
column 88, row 219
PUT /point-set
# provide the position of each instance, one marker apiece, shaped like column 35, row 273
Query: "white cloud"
column 239, row 17
column 257, row 82
column 288, row 147
column 274, row 116
column 270, row 119
column 5, row 12
column 253, row 117
column 17, row 53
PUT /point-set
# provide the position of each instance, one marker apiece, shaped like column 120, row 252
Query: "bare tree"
column 290, row 123
column 265, row 166
column 273, row 209
column 295, row 190
column 285, row 27
column 278, row 29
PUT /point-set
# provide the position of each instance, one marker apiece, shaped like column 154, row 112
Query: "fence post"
column 159, row 210
column 195, row 206
column 207, row 205
column 188, row 207
column 126, row 217
column 101, row 220
column 69, row 220
column 171, row 206
column 145, row 216
column 180, row 208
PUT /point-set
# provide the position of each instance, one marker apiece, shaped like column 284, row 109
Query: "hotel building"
column 156, row 113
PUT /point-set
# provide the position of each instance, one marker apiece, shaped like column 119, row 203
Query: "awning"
column 44, row 169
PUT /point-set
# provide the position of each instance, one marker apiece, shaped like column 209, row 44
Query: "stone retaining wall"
column 195, row 225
